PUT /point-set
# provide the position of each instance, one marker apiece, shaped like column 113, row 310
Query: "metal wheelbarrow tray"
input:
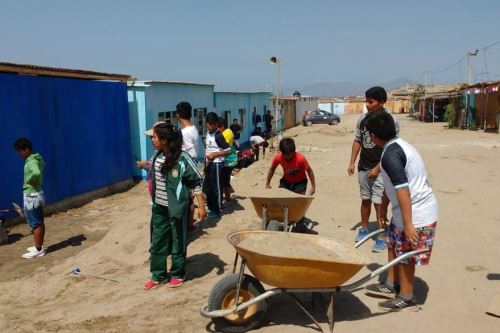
column 291, row 260
column 292, row 263
column 280, row 205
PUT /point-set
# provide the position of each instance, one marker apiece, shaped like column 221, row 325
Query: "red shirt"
column 294, row 171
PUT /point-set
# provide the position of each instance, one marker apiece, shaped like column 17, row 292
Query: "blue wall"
column 333, row 107
column 233, row 101
column 80, row 127
column 147, row 99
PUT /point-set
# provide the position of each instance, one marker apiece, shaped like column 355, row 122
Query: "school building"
column 152, row 101
column 77, row 120
column 243, row 106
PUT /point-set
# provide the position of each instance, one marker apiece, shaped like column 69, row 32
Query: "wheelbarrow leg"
column 240, row 279
column 285, row 216
column 331, row 309
column 264, row 217
column 302, row 307
column 235, row 262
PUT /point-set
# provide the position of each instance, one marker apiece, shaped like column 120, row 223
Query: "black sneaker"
column 399, row 304
column 380, row 290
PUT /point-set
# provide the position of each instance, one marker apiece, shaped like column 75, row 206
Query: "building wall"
column 355, row 107
column 487, row 106
column 328, row 107
column 304, row 104
column 287, row 114
column 253, row 104
column 137, row 118
column 149, row 100
column 398, row 106
column 80, row 127
column 338, row 108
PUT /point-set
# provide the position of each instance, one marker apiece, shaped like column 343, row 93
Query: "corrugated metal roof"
column 26, row 69
column 244, row 92
column 174, row 82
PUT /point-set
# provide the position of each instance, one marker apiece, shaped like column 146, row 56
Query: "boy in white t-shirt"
column 190, row 134
column 414, row 212
column 190, row 138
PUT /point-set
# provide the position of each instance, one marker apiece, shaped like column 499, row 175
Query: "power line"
column 445, row 69
column 459, row 62
column 490, row 46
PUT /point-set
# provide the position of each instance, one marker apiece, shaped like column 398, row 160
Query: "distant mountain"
column 338, row 89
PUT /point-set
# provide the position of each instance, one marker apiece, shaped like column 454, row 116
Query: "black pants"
column 212, row 186
column 299, row 187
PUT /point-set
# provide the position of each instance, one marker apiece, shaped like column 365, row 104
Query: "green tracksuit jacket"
column 169, row 224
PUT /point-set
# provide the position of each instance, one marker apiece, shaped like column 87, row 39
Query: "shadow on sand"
column 204, row 263
column 72, row 241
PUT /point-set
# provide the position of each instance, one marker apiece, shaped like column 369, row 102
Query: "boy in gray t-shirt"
column 371, row 185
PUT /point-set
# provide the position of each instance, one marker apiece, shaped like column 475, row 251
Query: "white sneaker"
column 31, row 249
column 35, row 253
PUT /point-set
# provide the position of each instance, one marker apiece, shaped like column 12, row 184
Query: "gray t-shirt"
column 370, row 153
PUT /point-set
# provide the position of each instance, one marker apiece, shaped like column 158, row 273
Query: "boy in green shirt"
column 33, row 195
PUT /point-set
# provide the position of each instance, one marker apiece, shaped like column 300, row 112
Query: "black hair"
column 183, row 109
column 212, row 118
column 377, row 93
column 287, row 145
column 235, row 120
column 22, row 144
column 222, row 122
column 173, row 136
column 382, row 125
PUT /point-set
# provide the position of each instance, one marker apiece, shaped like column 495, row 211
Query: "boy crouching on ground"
column 414, row 212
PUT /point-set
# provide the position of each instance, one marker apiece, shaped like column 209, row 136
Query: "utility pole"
column 425, row 93
column 469, row 70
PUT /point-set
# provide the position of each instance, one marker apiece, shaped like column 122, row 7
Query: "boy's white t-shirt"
column 402, row 166
column 190, row 138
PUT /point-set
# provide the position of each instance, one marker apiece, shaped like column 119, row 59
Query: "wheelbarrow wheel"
column 222, row 297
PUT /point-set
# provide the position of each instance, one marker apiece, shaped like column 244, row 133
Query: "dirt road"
column 109, row 238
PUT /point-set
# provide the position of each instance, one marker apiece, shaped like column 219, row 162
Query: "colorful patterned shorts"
column 397, row 241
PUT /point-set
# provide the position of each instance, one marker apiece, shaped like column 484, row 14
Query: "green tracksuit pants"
column 169, row 237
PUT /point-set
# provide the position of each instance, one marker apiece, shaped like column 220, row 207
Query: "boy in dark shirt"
column 216, row 148
column 371, row 184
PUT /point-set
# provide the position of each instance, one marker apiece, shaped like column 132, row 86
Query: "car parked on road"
column 320, row 117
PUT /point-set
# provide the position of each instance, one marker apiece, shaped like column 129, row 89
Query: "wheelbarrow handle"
column 367, row 237
column 382, row 269
column 235, row 309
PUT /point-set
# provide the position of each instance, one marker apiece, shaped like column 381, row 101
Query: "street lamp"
column 276, row 61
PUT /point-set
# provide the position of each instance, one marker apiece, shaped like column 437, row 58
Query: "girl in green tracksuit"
column 174, row 175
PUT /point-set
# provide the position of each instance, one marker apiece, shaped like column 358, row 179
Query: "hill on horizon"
column 339, row 89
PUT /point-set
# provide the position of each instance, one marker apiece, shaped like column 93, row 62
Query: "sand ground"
column 109, row 238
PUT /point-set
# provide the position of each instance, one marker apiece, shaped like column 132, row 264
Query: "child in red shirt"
column 294, row 166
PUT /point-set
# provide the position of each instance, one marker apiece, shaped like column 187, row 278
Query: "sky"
column 229, row 42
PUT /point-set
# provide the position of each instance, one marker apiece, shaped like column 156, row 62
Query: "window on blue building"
column 241, row 114
column 227, row 115
column 199, row 119
column 168, row 117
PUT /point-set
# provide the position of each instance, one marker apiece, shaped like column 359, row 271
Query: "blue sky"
column 228, row 43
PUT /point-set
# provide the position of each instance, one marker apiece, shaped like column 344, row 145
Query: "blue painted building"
column 152, row 101
column 244, row 106
column 79, row 125
column 335, row 107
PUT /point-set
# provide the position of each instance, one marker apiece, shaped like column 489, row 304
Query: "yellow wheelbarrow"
column 290, row 262
column 280, row 210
